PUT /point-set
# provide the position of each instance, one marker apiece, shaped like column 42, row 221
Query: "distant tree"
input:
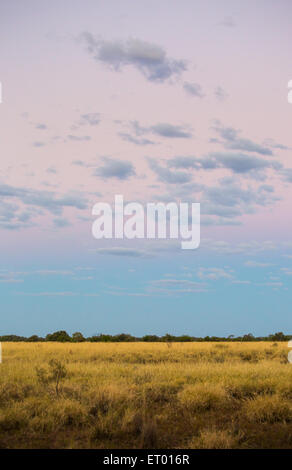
column 13, row 338
column 78, row 337
column 124, row 338
column 151, row 338
column 278, row 337
column 168, row 338
column 35, row 339
column 60, row 336
column 248, row 337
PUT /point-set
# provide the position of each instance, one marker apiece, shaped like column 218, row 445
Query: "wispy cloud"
column 149, row 59
column 112, row 168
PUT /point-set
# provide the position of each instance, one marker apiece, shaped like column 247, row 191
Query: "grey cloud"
column 77, row 138
column 61, row 222
column 165, row 130
column 149, row 59
column 51, row 170
column 171, row 131
column 287, row 174
column 43, row 199
column 135, row 140
column 275, row 145
column 222, row 221
column 239, row 163
column 92, row 119
column 193, row 89
column 266, row 187
column 183, row 162
column 220, row 94
column 12, row 218
column 80, row 163
column 115, row 169
column 232, row 141
column 38, row 144
column 229, row 201
column 168, row 176
column 208, row 208
column 233, row 195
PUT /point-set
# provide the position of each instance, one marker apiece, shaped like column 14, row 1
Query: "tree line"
column 77, row 337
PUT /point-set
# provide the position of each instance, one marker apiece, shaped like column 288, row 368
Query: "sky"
column 159, row 101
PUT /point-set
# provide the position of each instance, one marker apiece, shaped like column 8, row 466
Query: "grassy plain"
column 146, row 395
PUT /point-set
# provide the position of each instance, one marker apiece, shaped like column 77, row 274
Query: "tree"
column 34, row 339
column 57, row 371
column 61, row 336
column 78, row 337
column 279, row 337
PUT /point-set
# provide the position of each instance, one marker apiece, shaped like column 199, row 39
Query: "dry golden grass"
column 146, row 395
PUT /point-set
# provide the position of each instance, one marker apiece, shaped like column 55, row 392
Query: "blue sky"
column 158, row 101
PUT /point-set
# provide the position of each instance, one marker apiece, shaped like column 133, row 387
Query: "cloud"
column 228, row 21
column 257, row 264
column 193, row 89
column 166, row 130
column 220, row 93
column 49, row 294
column 287, row 175
column 238, row 163
column 123, row 252
column 175, row 286
column 53, row 272
column 91, row 119
column 231, row 140
column 169, row 176
column 9, row 280
column 61, row 222
column 237, row 281
column 135, row 140
column 184, row 162
column 81, row 163
column 242, row 163
column 275, row 145
column 41, row 126
column 149, row 59
column 287, row 271
column 38, row 144
column 229, row 199
column 51, row 170
column 43, row 199
column 235, row 196
column 76, row 138
column 115, row 169
column 171, row 131
column 252, row 247
column 214, row 274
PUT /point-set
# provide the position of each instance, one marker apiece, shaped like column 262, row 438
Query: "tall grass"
column 145, row 395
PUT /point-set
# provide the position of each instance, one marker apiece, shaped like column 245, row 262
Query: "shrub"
column 57, row 371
